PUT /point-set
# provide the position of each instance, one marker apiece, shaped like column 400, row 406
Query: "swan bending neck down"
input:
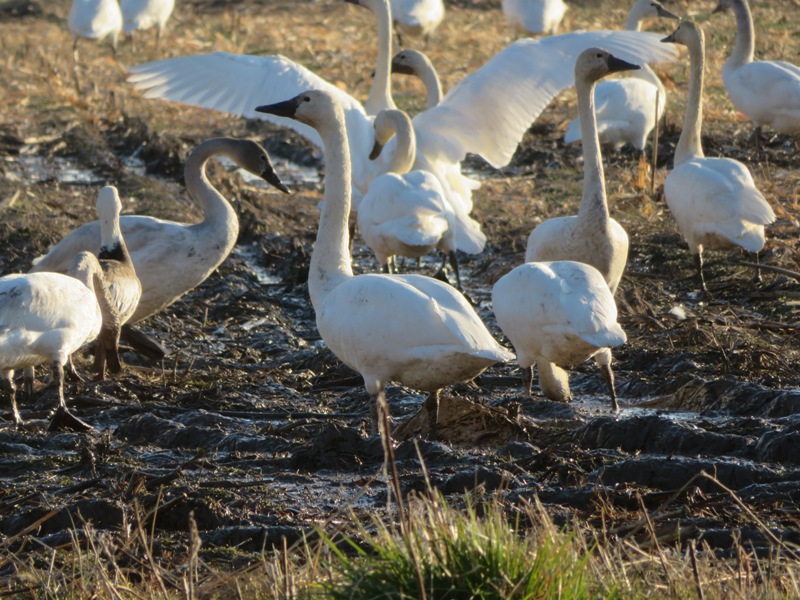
column 714, row 200
column 411, row 329
column 413, row 62
column 45, row 318
column 172, row 258
column 767, row 92
column 404, row 212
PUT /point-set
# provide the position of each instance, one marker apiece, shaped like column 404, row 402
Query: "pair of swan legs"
column 391, row 267
column 698, row 261
column 381, row 419
column 549, row 371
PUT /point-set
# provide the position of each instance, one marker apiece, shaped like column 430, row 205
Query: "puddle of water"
column 289, row 172
column 250, row 256
column 601, row 405
column 37, row 169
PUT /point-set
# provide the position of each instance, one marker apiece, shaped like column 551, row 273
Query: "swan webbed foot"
column 64, row 420
column 608, row 377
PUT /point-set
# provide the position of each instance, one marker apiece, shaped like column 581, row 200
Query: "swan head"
column 315, row 108
column 84, row 267
column 252, row 157
column 653, row 8
column 386, row 125
column 408, row 62
column 108, row 204
column 688, row 33
column 595, row 63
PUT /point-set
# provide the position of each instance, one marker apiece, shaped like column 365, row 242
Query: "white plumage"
column 522, row 79
column 45, row 317
column 534, row 16
column 95, row 19
column 626, row 108
column 410, row 329
column 767, row 92
column 557, row 314
column 417, row 17
column 714, row 200
column 144, row 14
column 172, row 258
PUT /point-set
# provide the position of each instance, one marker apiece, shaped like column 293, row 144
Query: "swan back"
column 417, row 17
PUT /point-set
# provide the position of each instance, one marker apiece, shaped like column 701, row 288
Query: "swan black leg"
column 143, row 343
column 608, row 377
column 527, row 380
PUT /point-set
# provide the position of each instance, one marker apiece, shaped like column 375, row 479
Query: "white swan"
column 522, row 79
column 414, row 62
column 172, row 258
column 714, row 200
column 411, row 329
column 405, row 213
column 417, row 17
column 626, row 108
column 45, row 317
column 534, row 16
column 558, row 313
column 124, row 286
column 765, row 91
column 591, row 236
column 144, row 14
column 94, row 19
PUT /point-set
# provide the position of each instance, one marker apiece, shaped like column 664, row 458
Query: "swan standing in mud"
column 172, row 258
column 405, row 213
column 45, row 317
column 555, row 311
column 410, row 329
column 522, row 79
column 714, row 200
column 765, row 91
column 124, row 286
column 626, row 109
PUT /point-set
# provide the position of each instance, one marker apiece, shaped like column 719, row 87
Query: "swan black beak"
column 287, row 108
column 271, row 177
column 376, row 150
column 670, row 39
column 663, row 12
column 401, row 68
column 615, row 65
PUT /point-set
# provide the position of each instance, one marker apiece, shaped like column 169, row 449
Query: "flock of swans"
column 401, row 178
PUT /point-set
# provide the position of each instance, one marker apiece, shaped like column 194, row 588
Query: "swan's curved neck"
column 634, row 21
column 745, row 38
column 593, row 202
column 433, row 86
column 405, row 150
column 330, row 260
column 380, row 94
column 217, row 211
column 689, row 145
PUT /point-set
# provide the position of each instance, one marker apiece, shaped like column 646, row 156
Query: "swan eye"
column 306, row 99
column 599, row 55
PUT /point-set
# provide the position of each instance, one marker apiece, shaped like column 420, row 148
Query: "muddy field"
column 252, row 426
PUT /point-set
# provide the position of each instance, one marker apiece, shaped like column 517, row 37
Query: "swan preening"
column 714, row 200
column 766, row 92
column 404, row 212
column 523, row 78
column 626, row 108
column 534, row 16
column 172, row 258
column 556, row 311
column 410, row 329
column 45, row 317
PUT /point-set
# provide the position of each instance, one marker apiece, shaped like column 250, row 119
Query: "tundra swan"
column 144, row 14
column 94, row 19
column 626, row 108
column 123, row 285
column 45, row 317
column 765, row 91
column 414, row 62
column 534, row 16
column 714, row 200
column 405, row 213
column 558, row 313
column 591, row 237
column 411, row 329
column 173, row 258
column 417, row 17
column 523, row 78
